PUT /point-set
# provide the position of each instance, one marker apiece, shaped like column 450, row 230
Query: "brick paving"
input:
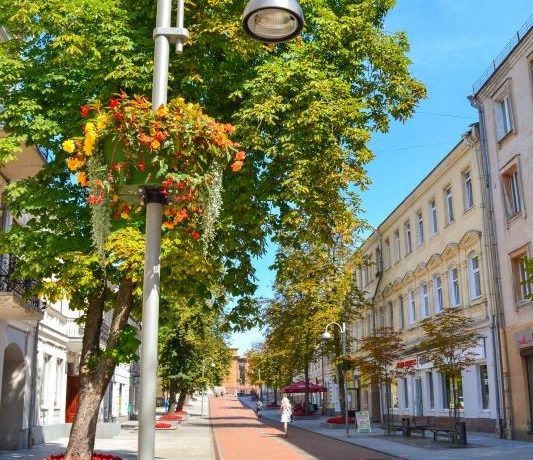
column 239, row 435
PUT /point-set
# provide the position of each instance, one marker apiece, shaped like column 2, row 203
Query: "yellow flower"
column 101, row 121
column 89, row 127
column 155, row 144
column 125, row 215
column 69, row 146
column 162, row 111
column 90, row 138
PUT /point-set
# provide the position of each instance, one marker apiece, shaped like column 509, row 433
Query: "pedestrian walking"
column 259, row 408
column 285, row 410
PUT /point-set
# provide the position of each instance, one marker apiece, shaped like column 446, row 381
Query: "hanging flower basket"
column 96, row 456
column 178, row 149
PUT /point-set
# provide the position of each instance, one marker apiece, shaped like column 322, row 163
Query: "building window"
column 405, row 388
column 378, row 262
column 468, row 191
column 512, row 192
column 455, row 298
column 365, row 272
column 449, row 205
column 412, row 307
column 398, row 245
column 449, row 399
column 437, row 294
column 402, row 312
column 522, row 287
column 433, row 217
column 419, row 228
column 431, row 389
column 504, row 119
column 391, row 315
column 388, row 257
column 381, row 317
column 484, row 382
column 424, row 300
column 475, row 277
column 408, row 241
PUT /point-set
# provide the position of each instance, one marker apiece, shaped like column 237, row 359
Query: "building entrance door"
column 529, row 361
column 419, row 403
column 73, row 394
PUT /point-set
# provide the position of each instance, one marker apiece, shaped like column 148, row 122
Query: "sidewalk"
column 191, row 441
column 239, row 435
column 480, row 445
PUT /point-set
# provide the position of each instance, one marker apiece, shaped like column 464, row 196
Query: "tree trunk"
column 276, row 396
column 172, row 397
column 306, row 394
column 94, row 378
column 181, row 400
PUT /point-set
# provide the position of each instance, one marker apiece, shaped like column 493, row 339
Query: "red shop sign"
column 408, row 363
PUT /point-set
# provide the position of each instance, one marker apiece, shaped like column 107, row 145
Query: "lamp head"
column 273, row 21
column 326, row 336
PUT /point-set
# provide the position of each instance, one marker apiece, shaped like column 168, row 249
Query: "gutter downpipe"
column 380, row 275
column 499, row 339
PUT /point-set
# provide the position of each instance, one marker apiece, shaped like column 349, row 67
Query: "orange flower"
column 240, row 156
column 74, row 163
column 82, row 179
column 154, row 145
column 236, row 166
column 169, row 225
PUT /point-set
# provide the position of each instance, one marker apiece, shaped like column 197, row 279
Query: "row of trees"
column 304, row 113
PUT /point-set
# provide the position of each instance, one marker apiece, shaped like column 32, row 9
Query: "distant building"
column 238, row 375
column 504, row 98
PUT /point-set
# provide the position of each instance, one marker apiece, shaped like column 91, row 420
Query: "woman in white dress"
column 285, row 409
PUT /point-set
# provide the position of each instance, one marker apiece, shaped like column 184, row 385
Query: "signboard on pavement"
column 363, row 421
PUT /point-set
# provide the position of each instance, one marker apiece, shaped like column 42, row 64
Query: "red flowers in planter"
column 163, row 425
column 96, row 456
column 170, row 417
column 340, row 420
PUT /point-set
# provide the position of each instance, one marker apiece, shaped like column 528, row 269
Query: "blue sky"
column 452, row 43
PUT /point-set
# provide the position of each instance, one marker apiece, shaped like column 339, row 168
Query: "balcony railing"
column 18, row 287
column 498, row 60
column 75, row 331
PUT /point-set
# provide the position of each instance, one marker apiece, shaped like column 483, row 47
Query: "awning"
column 299, row 387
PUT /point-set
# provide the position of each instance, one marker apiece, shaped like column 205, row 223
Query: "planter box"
column 306, row 417
column 337, row 426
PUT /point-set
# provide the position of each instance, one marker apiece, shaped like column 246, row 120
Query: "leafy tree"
column 375, row 358
column 449, row 342
column 189, row 342
column 305, row 111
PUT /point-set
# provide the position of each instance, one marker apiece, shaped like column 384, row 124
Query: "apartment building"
column 504, row 98
column 427, row 255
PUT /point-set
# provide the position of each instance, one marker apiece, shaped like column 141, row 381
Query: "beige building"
column 504, row 98
column 427, row 255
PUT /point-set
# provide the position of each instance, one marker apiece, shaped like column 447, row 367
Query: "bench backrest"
column 440, row 422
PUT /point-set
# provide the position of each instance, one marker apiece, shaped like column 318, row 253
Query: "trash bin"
column 461, row 433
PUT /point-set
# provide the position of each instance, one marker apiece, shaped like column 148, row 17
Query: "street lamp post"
column 203, row 391
column 327, row 336
column 270, row 21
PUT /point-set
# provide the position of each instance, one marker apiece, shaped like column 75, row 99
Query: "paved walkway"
column 239, row 435
column 480, row 445
column 192, row 440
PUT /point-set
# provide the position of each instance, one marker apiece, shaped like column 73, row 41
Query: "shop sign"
column 524, row 338
column 363, row 421
column 407, row 363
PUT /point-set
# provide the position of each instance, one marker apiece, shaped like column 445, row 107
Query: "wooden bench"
column 442, row 427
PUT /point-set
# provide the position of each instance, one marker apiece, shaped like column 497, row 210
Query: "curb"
column 272, row 422
column 216, row 448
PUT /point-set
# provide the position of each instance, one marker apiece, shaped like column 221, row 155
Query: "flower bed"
column 163, row 426
column 171, row 417
column 340, row 420
column 96, row 456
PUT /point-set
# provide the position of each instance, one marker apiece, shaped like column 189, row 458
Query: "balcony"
column 28, row 163
column 14, row 302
